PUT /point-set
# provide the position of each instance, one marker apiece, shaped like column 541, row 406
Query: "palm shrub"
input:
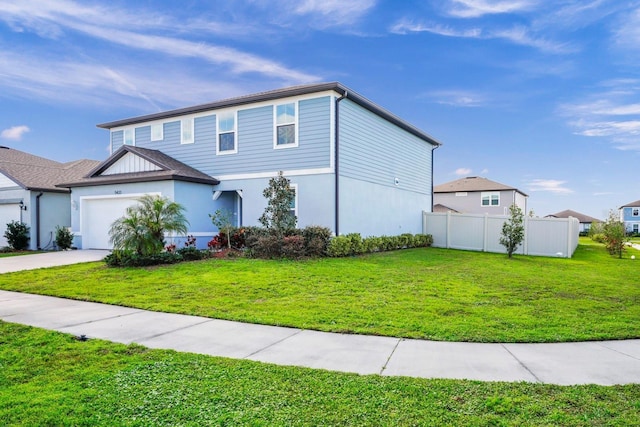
column 17, row 235
column 143, row 226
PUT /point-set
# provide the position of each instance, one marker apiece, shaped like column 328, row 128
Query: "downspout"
column 38, row 220
column 337, row 162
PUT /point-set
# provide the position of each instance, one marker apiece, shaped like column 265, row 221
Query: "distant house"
column 28, row 193
column 354, row 166
column 630, row 215
column 476, row 194
column 585, row 220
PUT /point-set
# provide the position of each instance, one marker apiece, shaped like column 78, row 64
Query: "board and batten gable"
column 384, row 173
column 254, row 139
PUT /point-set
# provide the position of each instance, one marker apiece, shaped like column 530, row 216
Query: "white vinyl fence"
column 555, row 237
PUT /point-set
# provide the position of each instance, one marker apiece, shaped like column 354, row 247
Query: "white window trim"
column 235, row 131
column 489, row 194
column 635, row 211
column 294, row 187
column 296, row 106
column 161, row 127
column 193, row 130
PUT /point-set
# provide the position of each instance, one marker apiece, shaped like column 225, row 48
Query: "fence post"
column 448, row 227
column 569, row 235
column 526, row 236
column 485, row 237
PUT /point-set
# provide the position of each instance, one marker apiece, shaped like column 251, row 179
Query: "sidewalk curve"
column 605, row 363
column 50, row 259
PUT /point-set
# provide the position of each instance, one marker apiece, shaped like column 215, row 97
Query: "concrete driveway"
column 49, row 259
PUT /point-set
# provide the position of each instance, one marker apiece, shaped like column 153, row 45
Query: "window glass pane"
column 128, row 137
column 286, row 113
column 227, row 141
column 187, row 131
column 156, row 132
column 226, row 122
column 636, row 212
column 286, row 134
column 495, row 200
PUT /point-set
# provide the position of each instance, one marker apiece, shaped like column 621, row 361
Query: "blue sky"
column 541, row 95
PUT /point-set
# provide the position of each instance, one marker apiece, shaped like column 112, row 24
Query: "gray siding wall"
column 254, row 139
column 54, row 211
column 316, row 201
column 376, row 210
column 374, row 150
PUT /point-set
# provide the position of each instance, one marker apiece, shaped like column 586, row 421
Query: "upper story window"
column 129, row 137
column 186, row 134
column 635, row 212
column 491, row 199
column 286, row 134
column 157, row 132
column 226, row 133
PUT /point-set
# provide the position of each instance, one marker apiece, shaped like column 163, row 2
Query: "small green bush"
column 17, row 235
column 269, row 246
column 598, row 237
column 339, row 246
column 121, row 258
column 191, row 253
column 357, row 247
column 64, row 238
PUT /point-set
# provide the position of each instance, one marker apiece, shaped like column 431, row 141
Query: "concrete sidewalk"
column 49, row 259
column 605, row 363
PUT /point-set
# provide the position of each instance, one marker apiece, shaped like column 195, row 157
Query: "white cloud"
column 549, row 185
column 627, row 35
column 333, row 12
column 14, row 133
column 456, row 98
column 519, row 35
column 478, row 8
column 463, row 171
column 613, row 114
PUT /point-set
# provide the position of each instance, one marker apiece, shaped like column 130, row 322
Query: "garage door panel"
column 9, row 212
column 97, row 217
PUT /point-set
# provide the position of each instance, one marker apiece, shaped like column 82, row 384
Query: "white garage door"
column 97, row 217
column 9, row 212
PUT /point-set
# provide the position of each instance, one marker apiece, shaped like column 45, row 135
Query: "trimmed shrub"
column 339, row 246
column 357, row 247
column 292, row 247
column 120, row 258
column 269, row 246
column 316, row 240
column 64, row 238
column 191, row 253
column 17, row 235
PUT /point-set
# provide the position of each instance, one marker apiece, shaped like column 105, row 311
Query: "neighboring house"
column 630, row 215
column 354, row 166
column 585, row 220
column 28, row 193
column 476, row 194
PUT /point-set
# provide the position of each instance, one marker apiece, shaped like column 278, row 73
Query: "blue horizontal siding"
column 117, row 139
column 254, row 140
column 376, row 151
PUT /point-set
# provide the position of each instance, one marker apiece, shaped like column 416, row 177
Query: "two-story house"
column 475, row 194
column 630, row 215
column 354, row 166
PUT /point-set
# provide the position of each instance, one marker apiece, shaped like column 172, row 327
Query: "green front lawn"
column 419, row 293
column 48, row 378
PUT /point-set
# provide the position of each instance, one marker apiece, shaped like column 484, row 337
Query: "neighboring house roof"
column 473, row 183
column 278, row 94
column 631, row 205
column 168, row 168
column 39, row 174
column 569, row 213
column 442, row 208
